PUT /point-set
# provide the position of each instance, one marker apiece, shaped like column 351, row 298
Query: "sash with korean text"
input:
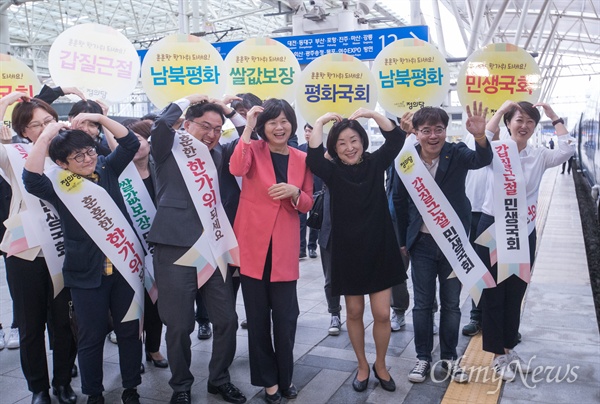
column 508, row 239
column 39, row 225
column 142, row 211
column 442, row 221
column 217, row 246
column 106, row 225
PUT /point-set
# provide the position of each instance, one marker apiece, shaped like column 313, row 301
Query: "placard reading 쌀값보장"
column 263, row 67
column 410, row 74
column 15, row 75
column 179, row 65
column 97, row 59
column 335, row 83
column 496, row 73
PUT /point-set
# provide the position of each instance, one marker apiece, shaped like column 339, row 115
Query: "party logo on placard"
column 179, row 65
column 496, row 73
column 335, row 83
column 410, row 74
column 263, row 67
column 16, row 76
column 97, row 59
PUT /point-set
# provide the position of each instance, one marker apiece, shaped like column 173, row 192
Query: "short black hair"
column 308, row 125
column 248, row 101
column 201, row 108
column 430, row 115
column 527, row 108
column 86, row 106
column 67, row 142
column 272, row 108
column 338, row 127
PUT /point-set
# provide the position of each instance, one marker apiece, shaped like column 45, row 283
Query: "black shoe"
column 130, row 396
column 388, row 385
column 244, row 324
column 302, row 255
column 360, row 385
column 160, row 363
column 312, row 253
column 74, row 372
column 290, row 393
column 181, row 397
column 273, row 398
column 228, row 391
column 204, row 331
column 41, row 398
column 95, row 399
column 142, row 369
column 65, row 394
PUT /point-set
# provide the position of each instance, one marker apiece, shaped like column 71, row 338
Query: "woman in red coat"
column 276, row 184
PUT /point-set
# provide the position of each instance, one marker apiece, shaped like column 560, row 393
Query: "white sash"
column 510, row 248
column 39, row 225
column 217, row 246
column 107, row 226
column 442, row 221
column 142, row 211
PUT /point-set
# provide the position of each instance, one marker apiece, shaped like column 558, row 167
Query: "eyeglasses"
column 80, row 157
column 438, row 130
column 36, row 125
column 207, row 128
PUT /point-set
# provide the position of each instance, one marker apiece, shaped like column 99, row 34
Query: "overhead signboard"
column 363, row 45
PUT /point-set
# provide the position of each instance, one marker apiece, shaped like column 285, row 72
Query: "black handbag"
column 315, row 217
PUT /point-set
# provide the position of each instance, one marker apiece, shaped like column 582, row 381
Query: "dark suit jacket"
column 176, row 222
column 456, row 159
column 84, row 261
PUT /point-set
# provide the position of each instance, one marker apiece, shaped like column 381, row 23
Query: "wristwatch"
column 559, row 120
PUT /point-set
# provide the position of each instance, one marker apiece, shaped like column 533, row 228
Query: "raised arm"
column 476, row 123
column 6, row 102
column 39, row 151
column 316, row 138
column 560, row 127
column 383, row 122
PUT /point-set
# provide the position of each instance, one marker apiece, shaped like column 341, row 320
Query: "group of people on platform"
column 370, row 233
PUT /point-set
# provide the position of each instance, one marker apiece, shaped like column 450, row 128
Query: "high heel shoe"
column 360, row 385
column 160, row 363
column 388, row 385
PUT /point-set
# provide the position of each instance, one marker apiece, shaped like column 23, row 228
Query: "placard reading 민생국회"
column 263, row 67
column 335, row 83
column 97, row 59
column 410, row 74
column 16, row 76
column 496, row 73
column 179, row 65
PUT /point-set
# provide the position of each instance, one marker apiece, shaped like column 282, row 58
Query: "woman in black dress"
column 365, row 254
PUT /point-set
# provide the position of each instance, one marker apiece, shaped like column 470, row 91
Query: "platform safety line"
column 484, row 386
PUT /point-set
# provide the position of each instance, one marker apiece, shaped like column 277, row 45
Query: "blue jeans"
column 428, row 262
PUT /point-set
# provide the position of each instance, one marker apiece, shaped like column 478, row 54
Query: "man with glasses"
column 175, row 229
column 448, row 164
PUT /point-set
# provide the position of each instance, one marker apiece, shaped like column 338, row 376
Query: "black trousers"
column 501, row 306
column 92, row 307
column 152, row 324
column 34, row 304
column 178, row 288
column 271, row 359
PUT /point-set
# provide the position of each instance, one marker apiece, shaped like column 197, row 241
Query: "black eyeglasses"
column 208, row 128
column 80, row 157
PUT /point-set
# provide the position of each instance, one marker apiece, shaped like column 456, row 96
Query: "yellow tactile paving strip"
column 483, row 386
